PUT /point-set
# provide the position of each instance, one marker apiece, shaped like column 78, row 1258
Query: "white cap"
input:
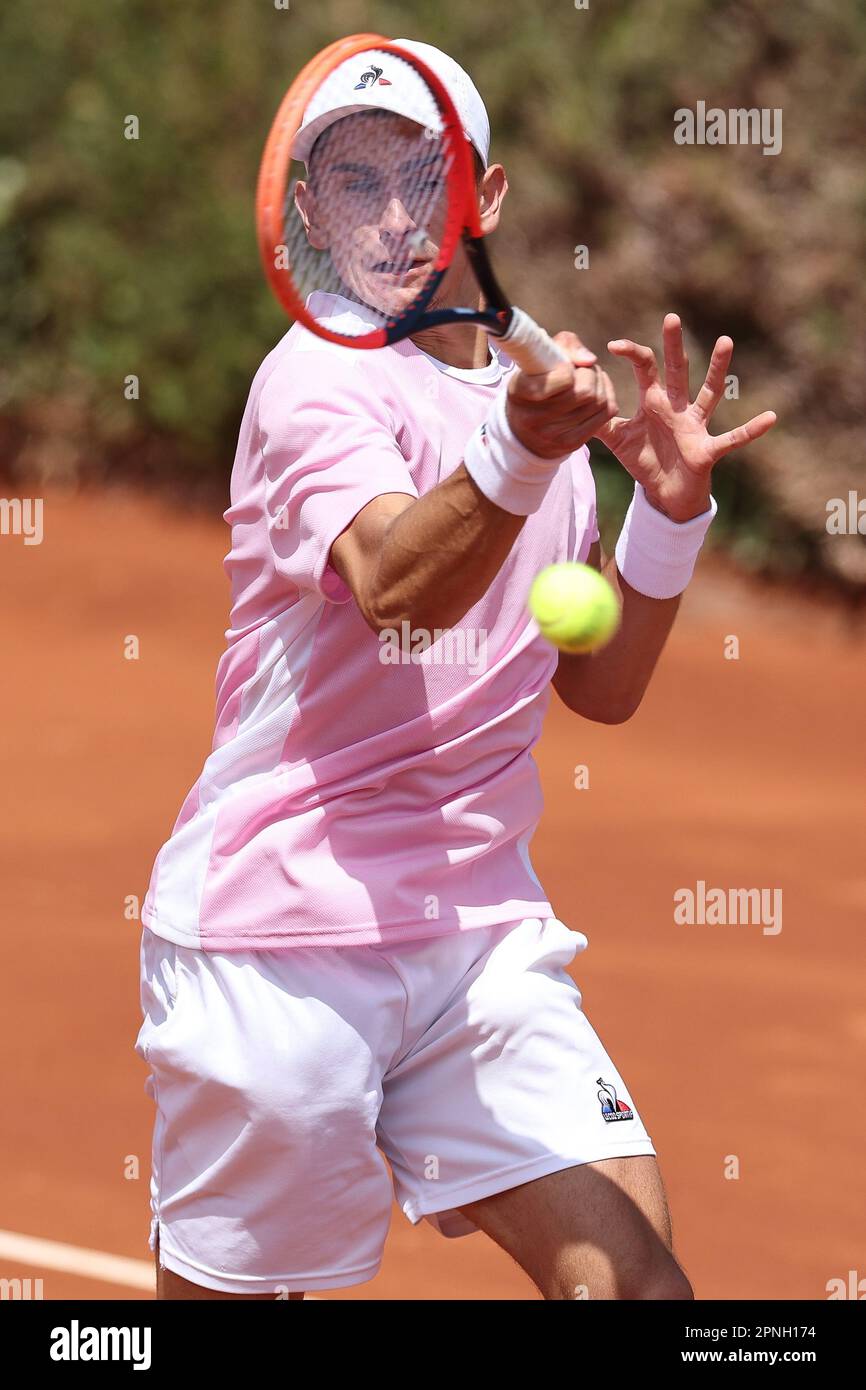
column 379, row 81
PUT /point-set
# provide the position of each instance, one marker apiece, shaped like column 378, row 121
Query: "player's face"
column 376, row 200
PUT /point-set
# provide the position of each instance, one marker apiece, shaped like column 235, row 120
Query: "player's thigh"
column 598, row 1229
column 266, row 1072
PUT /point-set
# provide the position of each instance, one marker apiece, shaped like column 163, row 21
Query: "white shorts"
column 279, row 1076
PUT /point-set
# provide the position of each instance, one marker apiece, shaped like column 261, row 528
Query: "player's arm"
column 608, row 685
column 428, row 560
column 668, row 450
column 425, row 560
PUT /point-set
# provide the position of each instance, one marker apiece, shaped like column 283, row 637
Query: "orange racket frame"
column 462, row 212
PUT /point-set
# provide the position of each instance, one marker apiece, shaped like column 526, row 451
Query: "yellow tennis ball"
column 574, row 606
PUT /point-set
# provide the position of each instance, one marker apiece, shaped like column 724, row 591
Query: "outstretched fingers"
column 676, row 362
column 743, row 434
column 642, row 359
column 714, row 383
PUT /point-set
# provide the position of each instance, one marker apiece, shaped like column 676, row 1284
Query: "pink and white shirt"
column 358, row 790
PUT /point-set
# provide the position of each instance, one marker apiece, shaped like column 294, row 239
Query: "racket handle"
column 529, row 346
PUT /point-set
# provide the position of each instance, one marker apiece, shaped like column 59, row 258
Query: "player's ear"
column 491, row 191
column 305, row 202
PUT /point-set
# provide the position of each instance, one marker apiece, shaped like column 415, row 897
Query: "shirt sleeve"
column 328, row 447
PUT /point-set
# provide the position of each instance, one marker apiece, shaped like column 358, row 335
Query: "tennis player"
column 347, row 956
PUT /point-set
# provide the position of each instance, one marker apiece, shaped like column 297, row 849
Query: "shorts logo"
column 611, row 1108
column 370, row 78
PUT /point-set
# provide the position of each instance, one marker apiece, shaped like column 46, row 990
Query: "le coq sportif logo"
column 611, row 1108
column 370, row 78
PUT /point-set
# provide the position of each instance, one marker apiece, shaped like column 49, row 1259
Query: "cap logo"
column 370, row 78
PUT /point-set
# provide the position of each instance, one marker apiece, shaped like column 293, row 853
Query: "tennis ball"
column 574, row 606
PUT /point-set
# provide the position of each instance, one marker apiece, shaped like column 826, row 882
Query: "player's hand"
column 666, row 445
column 559, row 411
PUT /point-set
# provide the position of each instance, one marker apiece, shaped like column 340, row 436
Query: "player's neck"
column 457, row 345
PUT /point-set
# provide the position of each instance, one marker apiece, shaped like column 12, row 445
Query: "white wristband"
column 655, row 555
column 506, row 473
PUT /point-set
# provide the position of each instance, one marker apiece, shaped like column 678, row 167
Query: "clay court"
column 735, row 1043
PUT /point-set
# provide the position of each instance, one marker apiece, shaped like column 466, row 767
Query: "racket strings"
column 365, row 220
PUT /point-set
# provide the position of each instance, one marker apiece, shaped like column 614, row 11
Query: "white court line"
column 88, row 1264
column 73, row 1259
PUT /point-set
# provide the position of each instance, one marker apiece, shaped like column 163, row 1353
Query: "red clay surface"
column 745, row 773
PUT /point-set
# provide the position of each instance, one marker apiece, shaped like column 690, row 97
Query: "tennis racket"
column 360, row 218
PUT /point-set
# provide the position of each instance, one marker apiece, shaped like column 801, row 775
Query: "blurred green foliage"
column 124, row 257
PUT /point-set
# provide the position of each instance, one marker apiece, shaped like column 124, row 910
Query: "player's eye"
column 365, row 186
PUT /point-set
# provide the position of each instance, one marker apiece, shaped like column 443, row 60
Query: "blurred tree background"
column 124, row 257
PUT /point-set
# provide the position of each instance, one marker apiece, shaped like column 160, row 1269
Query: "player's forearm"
column 428, row 561
column 438, row 557
column 657, row 553
column 607, row 686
